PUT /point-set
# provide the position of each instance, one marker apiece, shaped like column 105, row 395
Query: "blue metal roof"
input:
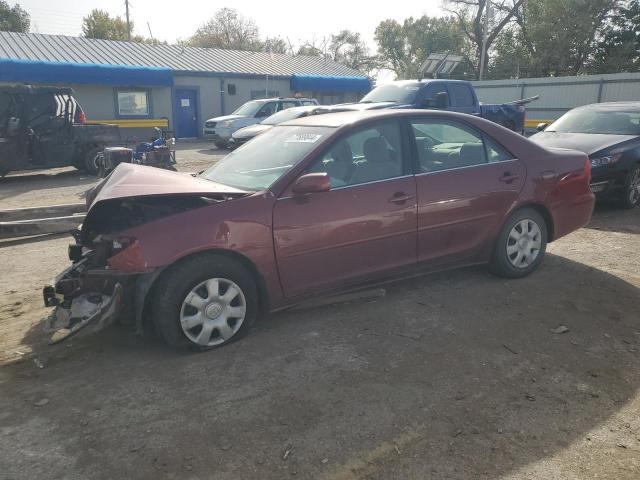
column 31, row 71
column 329, row 83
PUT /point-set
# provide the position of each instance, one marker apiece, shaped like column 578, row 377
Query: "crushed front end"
column 90, row 294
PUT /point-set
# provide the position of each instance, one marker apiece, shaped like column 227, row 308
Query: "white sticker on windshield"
column 412, row 88
column 303, row 138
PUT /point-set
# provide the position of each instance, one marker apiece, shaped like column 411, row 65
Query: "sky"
column 295, row 20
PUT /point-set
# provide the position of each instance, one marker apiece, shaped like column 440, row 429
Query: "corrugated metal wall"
column 557, row 95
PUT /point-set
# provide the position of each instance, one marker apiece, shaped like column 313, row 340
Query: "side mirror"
column 442, row 100
column 541, row 126
column 312, row 183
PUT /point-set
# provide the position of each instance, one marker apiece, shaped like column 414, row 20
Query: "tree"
column 403, row 48
column 619, row 47
column 471, row 19
column 228, row 30
column 99, row 24
column 552, row 38
column 13, row 19
column 276, row 45
column 348, row 48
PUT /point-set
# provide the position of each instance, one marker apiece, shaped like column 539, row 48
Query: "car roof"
column 613, row 106
column 339, row 119
column 277, row 99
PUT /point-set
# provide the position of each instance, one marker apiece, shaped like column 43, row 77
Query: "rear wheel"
column 521, row 244
column 91, row 160
column 631, row 194
column 205, row 302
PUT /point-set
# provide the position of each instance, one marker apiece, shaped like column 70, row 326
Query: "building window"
column 133, row 103
column 231, row 89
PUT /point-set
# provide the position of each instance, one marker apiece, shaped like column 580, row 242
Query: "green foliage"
column 556, row 38
column 99, row 24
column 276, row 45
column 403, row 48
column 13, row 19
column 619, row 47
column 228, row 30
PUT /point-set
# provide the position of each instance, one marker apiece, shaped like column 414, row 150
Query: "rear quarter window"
column 462, row 96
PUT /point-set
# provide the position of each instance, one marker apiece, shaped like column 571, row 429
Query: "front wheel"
column 220, row 144
column 631, row 196
column 205, row 302
column 521, row 244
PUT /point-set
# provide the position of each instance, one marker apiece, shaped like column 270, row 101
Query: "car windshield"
column 393, row 92
column 285, row 115
column 249, row 109
column 260, row 162
column 582, row 120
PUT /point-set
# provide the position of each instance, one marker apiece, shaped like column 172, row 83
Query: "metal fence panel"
column 559, row 94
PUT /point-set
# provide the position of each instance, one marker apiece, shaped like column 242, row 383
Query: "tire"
column 180, row 324
column 631, row 192
column 90, row 164
column 221, row 145
column 516, row 260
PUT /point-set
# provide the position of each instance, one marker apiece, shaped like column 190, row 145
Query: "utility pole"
column 126, row 6
column 485, row 34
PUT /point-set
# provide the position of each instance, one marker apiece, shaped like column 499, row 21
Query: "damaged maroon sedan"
column 321, row 204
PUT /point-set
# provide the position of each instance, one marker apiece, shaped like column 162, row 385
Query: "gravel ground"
column 455, row 375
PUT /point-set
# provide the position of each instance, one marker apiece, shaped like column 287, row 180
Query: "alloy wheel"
column 524, row 243
column 213, row 312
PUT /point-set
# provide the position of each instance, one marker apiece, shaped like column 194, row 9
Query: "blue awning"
column 325, row 83
column 30, row 71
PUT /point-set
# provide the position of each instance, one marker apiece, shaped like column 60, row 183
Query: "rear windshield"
column 393, row 92
column 259, row 163
column 598, row 122
column 285, row 115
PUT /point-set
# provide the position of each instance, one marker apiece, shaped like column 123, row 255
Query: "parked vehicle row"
column 316, row 205
column 610, row 134
column 220, row 129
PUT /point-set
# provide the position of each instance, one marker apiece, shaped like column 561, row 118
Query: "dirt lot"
column 451, row 376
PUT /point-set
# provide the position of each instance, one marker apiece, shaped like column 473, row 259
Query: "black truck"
column 44, row 127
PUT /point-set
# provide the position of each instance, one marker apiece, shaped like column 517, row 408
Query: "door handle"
column 548, row 175
column 507, row 177
column 400, row 197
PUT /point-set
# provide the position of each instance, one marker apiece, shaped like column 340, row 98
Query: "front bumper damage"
column 92, row 312
column 87, row 298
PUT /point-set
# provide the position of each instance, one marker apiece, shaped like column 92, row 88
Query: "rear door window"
column 444, row 145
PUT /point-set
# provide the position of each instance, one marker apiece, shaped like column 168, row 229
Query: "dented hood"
column 129, row 180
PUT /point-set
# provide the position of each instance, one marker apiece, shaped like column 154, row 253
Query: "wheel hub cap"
column 213, row 310
column 524, row 243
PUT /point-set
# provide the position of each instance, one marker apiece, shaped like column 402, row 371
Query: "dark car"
column 610, row 134
column 245, row 134
column 321, row 204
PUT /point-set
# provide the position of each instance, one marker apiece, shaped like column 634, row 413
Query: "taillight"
column 587, row 169
column 82, row 118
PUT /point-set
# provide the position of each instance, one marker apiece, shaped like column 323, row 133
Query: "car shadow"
column 451, row 375
column 608, row 216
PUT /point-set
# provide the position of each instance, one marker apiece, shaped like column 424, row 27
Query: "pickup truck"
column 44, row 127
column 450, row 95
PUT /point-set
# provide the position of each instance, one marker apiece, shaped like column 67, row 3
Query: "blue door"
column 186, row 112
